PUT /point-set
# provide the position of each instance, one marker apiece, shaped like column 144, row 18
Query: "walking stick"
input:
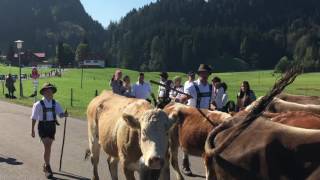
column 63, row 138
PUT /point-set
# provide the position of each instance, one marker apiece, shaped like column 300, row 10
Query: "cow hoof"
column 187, row 171
column 95, row 178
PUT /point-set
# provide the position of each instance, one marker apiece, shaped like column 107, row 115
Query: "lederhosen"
column 47, row 129
column 201, row 95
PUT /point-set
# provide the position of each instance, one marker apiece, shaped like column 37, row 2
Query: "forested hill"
column 42, row 23
column 228, row 34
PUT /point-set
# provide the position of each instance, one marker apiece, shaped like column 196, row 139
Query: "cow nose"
column 156, row 163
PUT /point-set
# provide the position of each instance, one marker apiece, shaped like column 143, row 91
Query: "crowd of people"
column 198, row 93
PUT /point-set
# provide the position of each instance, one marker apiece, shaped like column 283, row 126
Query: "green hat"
column 48, row 86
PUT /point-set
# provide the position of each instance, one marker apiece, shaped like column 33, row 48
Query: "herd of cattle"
column 280, row 144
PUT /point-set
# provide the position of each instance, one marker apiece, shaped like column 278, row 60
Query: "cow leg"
column 113, row 167
column 94, row 147
column 210, row 173
column 129, row 174
column 186, row 164
column 175, row 162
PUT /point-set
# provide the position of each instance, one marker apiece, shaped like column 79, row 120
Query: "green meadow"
column 98, row 79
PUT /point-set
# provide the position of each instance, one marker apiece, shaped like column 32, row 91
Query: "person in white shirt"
column 174, row 95
column 219, row 96
column 201, row 92
column 187, row 84
column 141, row 89
column 164, row 91
column 45, row 112
column 191, row 79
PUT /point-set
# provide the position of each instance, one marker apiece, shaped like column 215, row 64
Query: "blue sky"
column 105, row 11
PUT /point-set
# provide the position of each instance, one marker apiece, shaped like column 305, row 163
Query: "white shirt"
column 162, row 90
column 141, row 91
column 219, row 97
column 191, row 90
column 186, row 85
column 37, row 112
column 175, row 94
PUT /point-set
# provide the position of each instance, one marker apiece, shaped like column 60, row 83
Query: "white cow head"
column 154, row 126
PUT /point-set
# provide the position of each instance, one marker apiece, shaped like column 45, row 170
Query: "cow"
column 264, row 150
column 130, row 131
column 280, row 106
column 300, row 119
column 300, row 99
column 191, row 131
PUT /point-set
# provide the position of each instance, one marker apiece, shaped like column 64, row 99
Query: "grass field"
column 97, row 79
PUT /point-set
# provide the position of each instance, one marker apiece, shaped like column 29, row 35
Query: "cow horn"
column 209, row 145
column 278, row 87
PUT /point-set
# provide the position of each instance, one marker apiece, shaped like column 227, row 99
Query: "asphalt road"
column 21, row 155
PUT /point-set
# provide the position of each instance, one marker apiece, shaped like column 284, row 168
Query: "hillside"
column 42, row 23
column 231, row 35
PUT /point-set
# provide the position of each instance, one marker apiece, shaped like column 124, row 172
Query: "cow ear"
column 131, row 121
column 174, row 117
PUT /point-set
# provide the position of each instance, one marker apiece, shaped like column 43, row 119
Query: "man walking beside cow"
column 201, row 92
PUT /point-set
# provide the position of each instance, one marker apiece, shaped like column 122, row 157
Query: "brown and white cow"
column 280, row 106
column 128, row 130
column 300, row 99
column 191, row 132
column 266, row 150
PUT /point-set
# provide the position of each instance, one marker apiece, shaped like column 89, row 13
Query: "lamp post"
column 19, row 47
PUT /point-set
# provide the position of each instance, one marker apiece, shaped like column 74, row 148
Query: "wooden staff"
column 63, row 138
column 170, row 88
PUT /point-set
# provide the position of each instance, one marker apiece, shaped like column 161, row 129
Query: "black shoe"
column 47, row 171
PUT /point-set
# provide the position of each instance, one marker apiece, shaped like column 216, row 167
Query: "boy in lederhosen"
column 46, row 112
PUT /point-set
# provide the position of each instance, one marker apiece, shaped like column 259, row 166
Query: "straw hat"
column 48, row 86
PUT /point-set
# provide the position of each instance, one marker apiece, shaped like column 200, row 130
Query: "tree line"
column 231, row 35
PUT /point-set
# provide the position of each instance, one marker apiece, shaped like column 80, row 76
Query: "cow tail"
column 87, row 154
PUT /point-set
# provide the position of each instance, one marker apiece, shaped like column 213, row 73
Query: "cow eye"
column 144, row 139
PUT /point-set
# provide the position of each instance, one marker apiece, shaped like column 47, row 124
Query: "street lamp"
column 19, row 47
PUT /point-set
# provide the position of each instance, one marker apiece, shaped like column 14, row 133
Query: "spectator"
column 116, row 82
column 218, row 94
column 190, row 82
column 174, row 95
column 245, row 97
column 141, row 89
column 225, row 97
column 126, row 87
column 10, row 86
column 164, row 91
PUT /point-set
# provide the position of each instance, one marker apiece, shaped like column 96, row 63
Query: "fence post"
column 71, row 99
column 96, row 93
column 3, row 87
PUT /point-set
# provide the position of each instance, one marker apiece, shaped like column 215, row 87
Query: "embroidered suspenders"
column 201, row 95
column 52, row 109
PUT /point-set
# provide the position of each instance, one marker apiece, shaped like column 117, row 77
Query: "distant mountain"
column 230, row 35
column 42, row 23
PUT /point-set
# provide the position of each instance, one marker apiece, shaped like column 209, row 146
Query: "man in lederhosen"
column 201, row 91
column 46, row 112
column 164, row 92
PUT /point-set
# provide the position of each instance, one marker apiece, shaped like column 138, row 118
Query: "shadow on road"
column 10, row 161
column 69, row 175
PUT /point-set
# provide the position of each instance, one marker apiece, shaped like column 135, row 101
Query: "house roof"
column 40, row 54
